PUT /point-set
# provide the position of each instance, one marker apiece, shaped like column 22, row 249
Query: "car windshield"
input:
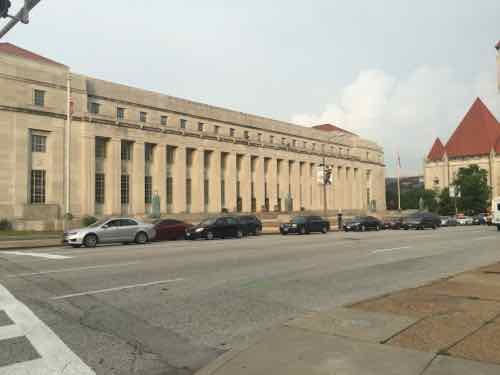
column 98, row 223
column 357, row 218
column 298, row 220
column 206, row 222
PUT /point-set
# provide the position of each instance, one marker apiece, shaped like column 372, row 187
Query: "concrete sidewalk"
column 29, row 244
column 448, row 327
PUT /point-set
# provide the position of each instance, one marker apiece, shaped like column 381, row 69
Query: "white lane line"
column 91, row 292
column 36, row 255
column 388, row 250
column 484, row 238
column 56, row 357
column 62, row 270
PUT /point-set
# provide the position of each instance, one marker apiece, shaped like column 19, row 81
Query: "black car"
column 305, row 225
column 363, row 223
column 422, row 220
column 251, row 224
column 216, row 227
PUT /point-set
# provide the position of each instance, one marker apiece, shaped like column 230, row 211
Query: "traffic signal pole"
column 21, row 16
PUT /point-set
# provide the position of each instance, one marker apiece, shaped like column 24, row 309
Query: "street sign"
column 320, row 175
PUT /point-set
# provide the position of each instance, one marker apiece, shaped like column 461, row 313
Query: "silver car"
column 123, row 230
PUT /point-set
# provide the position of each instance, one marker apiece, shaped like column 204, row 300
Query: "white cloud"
column 408, row 113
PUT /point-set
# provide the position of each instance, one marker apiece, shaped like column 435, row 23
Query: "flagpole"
column 398, row 165
column 67, row 148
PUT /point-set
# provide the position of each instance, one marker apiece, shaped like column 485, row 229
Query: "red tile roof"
column 11, row 49
column 477, row 134
column 331, row 128
column 437, row 151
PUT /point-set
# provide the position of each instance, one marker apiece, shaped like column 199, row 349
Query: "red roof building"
column 331, row 128
column 10, row 49
column 437, row 151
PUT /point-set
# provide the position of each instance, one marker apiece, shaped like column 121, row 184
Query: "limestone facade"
column 128, row 145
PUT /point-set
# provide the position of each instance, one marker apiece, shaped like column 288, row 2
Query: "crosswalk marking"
column 36, row 255
column 56, row 357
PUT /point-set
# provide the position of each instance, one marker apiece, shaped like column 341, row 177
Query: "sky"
column 398, row 72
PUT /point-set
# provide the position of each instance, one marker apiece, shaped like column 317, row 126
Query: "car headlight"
column 72, row 233
column 198, row 230
column 294, row 225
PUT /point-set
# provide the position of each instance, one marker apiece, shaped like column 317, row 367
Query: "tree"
column 446, row 205
column 472, row 184
column 410, row 199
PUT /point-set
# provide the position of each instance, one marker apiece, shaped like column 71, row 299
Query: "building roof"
column 331, row 128
column 477, row 134
column 437, row 151
column 10, row 49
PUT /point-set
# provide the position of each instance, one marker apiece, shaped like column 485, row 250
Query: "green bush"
column 88, row 220
column 5, row 224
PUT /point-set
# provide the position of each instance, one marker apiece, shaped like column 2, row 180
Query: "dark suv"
column 251, row 224
column 422, row 220
column 305, row 225
column 216, row 227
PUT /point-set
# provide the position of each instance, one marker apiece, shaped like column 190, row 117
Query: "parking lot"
column 172, row 307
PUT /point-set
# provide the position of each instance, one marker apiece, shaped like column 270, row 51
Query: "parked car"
column 393, row 223
column 251, row 225
column 305, row 225
column 465, row 220
column 422, row 220
column 114, row 230
column 479, row 219
column 448, row 221
column 363, row 223
column 216, row 227
column 170, row 229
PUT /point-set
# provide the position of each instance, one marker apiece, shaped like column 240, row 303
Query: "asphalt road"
column 172, row 307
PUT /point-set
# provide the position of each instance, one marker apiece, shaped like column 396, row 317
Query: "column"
column 137, row 177
column 245, row 183
column 215, row 182
column 113, row 178
column 160, row 175
column 340, row 188
column 306, row 185
column 284, row 179
column 272, row 181
column 295, row 181
column 87, row 189
column 231, row 182
column 197, row 182
column 259, row 183
column 179, row 180
column 347, row 188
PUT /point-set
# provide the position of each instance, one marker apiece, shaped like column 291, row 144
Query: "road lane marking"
column 36, row 255
column 55, row 356
column 92, row 292
column 484, row 238
column 389, row 250
column 112, row 265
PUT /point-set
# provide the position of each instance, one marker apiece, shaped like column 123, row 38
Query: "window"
column 170, row 192
column 216, row 129
column 124, row 189
column 163, row 120
column 148, row 152
column 99, row 188
column 126, row 150
column 188, row 191
column 259, row 137
column 246, row 135
column 143, row 116
column 39, row 98
column 232, row 132
column 38, row 143
column 94, row 108
column 120, row 113
column 170, row 155
column 304, row 144
column 183, row 123
column 283, row 141
column 148, row 189
column 100, row 148
column 314, row 146
column 206, row 192
column 200, row 126
column 294, row 143
column 37, row 186
column 127, row 222
column 271, row 139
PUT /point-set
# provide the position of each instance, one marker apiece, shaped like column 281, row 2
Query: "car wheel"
column 90, row 240
column 434, row 226
column 76, row 246
column 302, row 230
column 239, row 234
column 258, row 231
column 377, row 228
column 210, row 236
column 363, row 228
column 324, row 230
column 141, row 238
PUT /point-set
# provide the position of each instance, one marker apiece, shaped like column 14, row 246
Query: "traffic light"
column 4, row 8
column 328, row 175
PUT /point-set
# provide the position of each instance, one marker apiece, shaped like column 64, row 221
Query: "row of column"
column 234, row 181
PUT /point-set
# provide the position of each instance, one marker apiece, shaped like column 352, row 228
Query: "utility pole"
column 21, row 16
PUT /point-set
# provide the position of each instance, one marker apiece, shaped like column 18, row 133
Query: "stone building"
column 126, row 145
column 475, row 141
